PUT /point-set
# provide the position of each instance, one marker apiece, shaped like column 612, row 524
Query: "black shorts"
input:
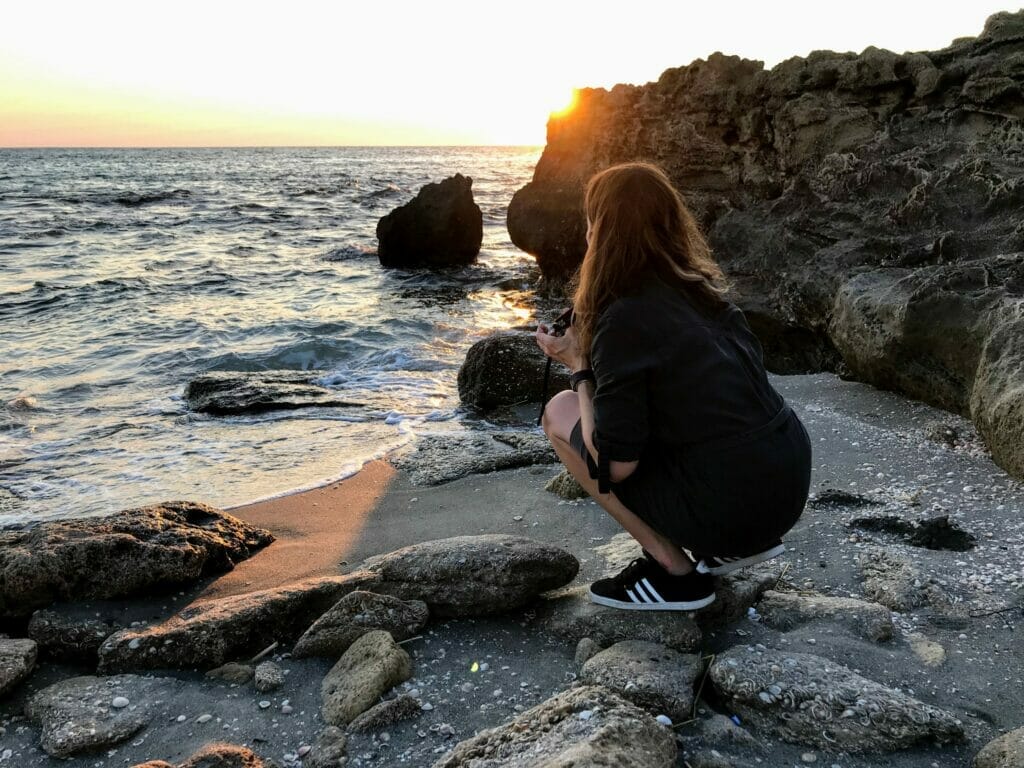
column 730, row 503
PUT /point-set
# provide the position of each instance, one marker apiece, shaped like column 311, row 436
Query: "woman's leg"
column 560, row 416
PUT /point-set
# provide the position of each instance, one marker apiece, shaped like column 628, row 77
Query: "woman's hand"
column 564, row 349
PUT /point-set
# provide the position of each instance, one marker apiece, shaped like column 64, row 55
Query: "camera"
column 562, row 323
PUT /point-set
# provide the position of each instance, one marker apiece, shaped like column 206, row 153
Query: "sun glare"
column 568, row 105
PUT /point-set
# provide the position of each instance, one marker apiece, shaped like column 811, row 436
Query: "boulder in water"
column 440, row 227
column 224, row 393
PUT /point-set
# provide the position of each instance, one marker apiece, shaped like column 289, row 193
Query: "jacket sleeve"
column 622, row 356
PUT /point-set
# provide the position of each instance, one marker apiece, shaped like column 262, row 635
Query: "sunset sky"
column 218, row 73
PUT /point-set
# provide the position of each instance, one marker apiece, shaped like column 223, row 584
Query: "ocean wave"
column 128, row 199
column 348, row 253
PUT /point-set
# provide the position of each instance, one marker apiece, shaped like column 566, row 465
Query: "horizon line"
column 274, row 146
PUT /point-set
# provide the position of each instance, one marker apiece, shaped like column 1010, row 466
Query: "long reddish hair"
column 639, row 224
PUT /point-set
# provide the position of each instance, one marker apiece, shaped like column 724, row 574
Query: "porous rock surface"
column 372, row 666
column 356, row 614
column 17, row 659
column 565, row 485
column 216, row 756
column 586, row 726
column 809, row 700
column 208, row 634
column 473, row 575
column 77, row 715
column 1007, row 751
column 787, row 610
column 440, row 227
column 267, row 677
column 893, row 581
column 436, row 459
column 329, row 749
column 224, row 393
column 652, row 676
column 507, row 368
column 866, row 207
column 133, row 552
column 571, row 615
column 385, row 713
column 69, row 638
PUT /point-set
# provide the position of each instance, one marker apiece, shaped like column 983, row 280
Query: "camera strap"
column 544, row 392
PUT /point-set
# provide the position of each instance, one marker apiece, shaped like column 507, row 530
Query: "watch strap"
column 584, row 374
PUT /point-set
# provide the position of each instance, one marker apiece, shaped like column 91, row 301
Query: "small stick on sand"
column 269, row 649
column 410, row 639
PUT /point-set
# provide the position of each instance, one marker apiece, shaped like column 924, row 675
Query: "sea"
column 126, row 273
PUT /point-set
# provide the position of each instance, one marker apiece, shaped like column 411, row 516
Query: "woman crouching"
column 672, row 427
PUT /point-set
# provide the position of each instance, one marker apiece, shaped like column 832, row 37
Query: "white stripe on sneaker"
column 651, row 590
column 632, row 596
column 638, row 588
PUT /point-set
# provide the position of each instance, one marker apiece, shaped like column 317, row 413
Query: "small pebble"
column 426, row 706
column 809, row 757
column 264, row 704
column 664, row 719
column 181, row 718
column 204, row 718
column 119, row 702
column 304, row 750
column 586, row 714
column 286, row 709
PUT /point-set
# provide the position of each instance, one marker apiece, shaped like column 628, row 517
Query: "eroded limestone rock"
column 17, row 659
column 372, row 666
column 473, row 575
column 809, row 700
column 587, row 726
column 787, row 610
column 356, row 614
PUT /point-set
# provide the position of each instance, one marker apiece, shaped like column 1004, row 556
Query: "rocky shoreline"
column 865, row 643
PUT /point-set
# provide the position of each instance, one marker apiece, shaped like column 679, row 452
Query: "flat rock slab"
column 78, row 715
column 788, row 610
column 68, row 638
column 652, row 676
column 329, row 749
column 356, row 614
column 438, row 459
column 893, row 581
column 588, row 726
column 809, row 700
column 134, row 552
column 225, row 393
column 1005, row 752
column 211, row 633
column 473, row 575
column 571, row 615
column 371, row 667
column 17, row 659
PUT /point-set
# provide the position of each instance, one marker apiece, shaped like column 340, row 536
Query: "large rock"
column 588, row 726
column 787, row 610
column 224, row 393
column 1007, row 751
column 372, row 666
column 134, row 552
column 893, row 581
column 571, row 615
column 79, row 715
column 67, row 637
column 652, row 676
column 356, row 614
column 17, row 659
column 473, row 575
column 825, row 185
column 210, row 633
column 506, row 369
column 395, row 710
column 216, row 756
column 809, row 700
column 440, row 227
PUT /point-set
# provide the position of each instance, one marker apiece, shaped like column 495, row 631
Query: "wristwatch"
column 583, row 374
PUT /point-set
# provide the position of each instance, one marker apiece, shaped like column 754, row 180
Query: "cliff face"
column 868, row 208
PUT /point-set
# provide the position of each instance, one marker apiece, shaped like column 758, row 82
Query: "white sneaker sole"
column 735, row 565
column 690, row 605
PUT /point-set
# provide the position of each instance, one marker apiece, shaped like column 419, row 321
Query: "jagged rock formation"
column 440, row 227
column 866, row 207
column 133, row 552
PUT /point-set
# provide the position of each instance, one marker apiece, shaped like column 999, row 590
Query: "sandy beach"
column 869, row 445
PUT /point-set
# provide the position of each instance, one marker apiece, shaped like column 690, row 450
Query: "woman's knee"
column 561, row 414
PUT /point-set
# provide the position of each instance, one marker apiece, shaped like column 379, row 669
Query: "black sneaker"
column 719, row 566
column 644, row 585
